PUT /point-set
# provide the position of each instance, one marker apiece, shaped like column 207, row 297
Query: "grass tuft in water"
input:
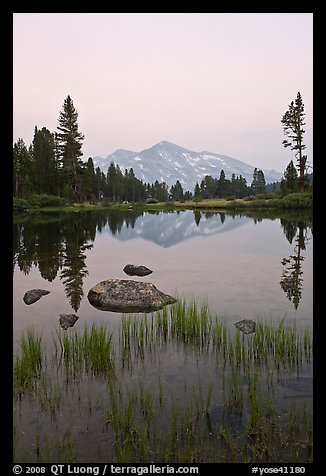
column 27, row 364
column 92, row 351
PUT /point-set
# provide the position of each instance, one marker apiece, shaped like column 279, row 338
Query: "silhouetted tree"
column 69, row 146
column 176, row 191
column 22, row 168
column 291, row 281
column 258, row 183
column 45, row 166
column 289, row 183
column 221, row 184
column 197, row 194
column 293, row 122
column 208, row 187
column 89, row 181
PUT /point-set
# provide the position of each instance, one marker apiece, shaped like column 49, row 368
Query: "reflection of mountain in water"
column 169, row 229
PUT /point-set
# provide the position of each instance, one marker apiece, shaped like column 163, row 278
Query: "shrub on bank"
column 152, row 200
column 20, row 204
column 44, row 200
column 268, row 195
column 297, row 200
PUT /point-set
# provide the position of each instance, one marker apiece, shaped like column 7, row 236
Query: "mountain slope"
column 169, row 162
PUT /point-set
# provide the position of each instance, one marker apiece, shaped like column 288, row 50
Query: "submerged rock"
column 67, row 320
column 246, row 325
column 122, row 295
column 133, row 270
column 34, row 295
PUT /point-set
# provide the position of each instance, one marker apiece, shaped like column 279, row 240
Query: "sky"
column 218, row 82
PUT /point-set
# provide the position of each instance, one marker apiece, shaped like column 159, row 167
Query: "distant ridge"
column 169, row 162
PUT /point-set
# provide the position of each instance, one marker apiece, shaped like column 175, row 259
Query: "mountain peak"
column 168, row 162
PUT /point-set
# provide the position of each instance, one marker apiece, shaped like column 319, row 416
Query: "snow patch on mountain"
column 169, row 162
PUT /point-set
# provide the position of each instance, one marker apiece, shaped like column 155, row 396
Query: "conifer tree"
column 90, row 180
column 289, row 183
column 261, row 182
column 176, row 191
column 258, row 183
column 221, row 184
column 197, row 193
column 22, row 165
column 293, row 122
column 70, row 145
column 45, row 167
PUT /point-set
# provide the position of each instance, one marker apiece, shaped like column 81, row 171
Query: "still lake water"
column 235, row 264
column 242, row 267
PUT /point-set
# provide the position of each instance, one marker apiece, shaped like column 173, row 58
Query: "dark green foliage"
column 45, row 172
column 291, row 281
column 176, row 192
column 44, row 200
column 197, row 194
column 258, row 183
column 51, row 166
column 115, row 183
column 22, row 168
column 293, row 122
column 69, row 147
column 223, row 188
column 298, row 200
column 267, row 196
column 208, row 187
column 152, row 200
column 289, row 183
column 20, row 204
column 90, row 189
column 159, row 190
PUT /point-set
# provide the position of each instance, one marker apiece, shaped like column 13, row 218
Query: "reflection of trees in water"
column 59, row 243
column 197, row 215
column 49, row 250
column 118, row 220
column 26, row 248
column 76, row 234
column 291, row 280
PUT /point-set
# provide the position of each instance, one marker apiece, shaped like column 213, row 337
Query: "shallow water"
column 231, row 263
column 234, row 263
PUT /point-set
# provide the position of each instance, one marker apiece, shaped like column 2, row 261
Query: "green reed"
column 28, row 363
column 144, row 423
column 50, row 395
column 273, row 344
column 92, row 351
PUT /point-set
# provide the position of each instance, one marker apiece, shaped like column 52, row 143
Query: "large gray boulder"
column 123, row 295
column 34, row 295
column 133, row 270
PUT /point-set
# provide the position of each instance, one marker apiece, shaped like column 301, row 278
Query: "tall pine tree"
column 289, row 183
column 293, row 122
column 45, row 167
column 22, row 166
column 69, row 146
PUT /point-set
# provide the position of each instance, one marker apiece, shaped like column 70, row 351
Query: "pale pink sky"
column 206, row 81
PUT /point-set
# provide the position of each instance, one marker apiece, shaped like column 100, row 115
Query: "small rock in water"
column 133, row 270
column 246, row 325
column 67, row 320
column 34, row 295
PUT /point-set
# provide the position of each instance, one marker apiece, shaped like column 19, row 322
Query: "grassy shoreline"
column 297, row 201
